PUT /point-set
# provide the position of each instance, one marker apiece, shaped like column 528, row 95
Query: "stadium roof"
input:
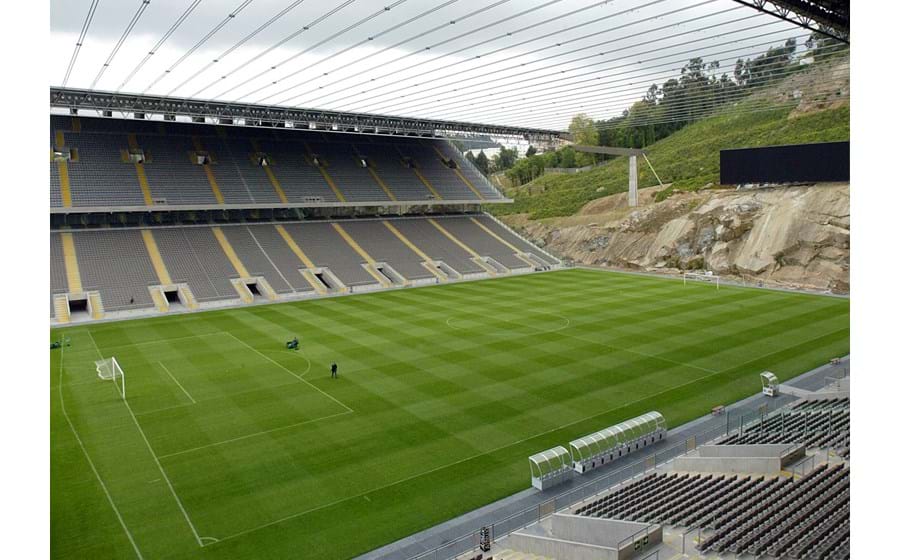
column 523, row 64
column 273, row 116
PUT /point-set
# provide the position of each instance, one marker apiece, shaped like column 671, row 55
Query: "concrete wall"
column 592, row 530
column 735, row 451
column 744, row 465
column 843, row 394
column 574, row 537
column 556, row 548
column 747, row 459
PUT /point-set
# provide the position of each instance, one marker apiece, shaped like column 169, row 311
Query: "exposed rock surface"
column 791, row 236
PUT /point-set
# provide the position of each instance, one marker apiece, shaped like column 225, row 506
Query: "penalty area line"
column 155, row 458
column 254, row 434
column 183, row 390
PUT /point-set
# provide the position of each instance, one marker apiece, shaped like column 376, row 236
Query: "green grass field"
column 231, row 442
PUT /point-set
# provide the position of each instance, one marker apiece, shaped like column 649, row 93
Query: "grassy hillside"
column 688, row 159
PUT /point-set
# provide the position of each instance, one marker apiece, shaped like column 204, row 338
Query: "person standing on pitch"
column 333, row 370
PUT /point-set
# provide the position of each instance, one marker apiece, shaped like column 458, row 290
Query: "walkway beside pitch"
column 467, row 525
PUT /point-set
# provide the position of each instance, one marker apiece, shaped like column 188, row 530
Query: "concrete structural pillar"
column 632, row 181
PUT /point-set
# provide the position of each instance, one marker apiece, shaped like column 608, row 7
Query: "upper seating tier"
column 301, row 167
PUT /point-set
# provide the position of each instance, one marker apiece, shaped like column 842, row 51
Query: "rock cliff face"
column 790, row 236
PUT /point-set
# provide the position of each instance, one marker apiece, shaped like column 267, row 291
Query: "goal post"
column 109, row 370
column 701, row 277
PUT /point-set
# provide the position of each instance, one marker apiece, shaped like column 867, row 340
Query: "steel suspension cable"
column 516, row 87
column 372, row 38
column 681, row 108
column 633, row 96
column 449, row 40
column 580, row 86
column 231, row 49
column 84, row 29
column 228, row 19
column 475, row 45
column 754, row 106
column 160, row 43
column 304, row 51
column 518, row 67
column 555, row 45
column 631, row 56
column 118, row 45
column 290, row 37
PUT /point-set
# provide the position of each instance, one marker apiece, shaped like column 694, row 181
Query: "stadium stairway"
column 159, row 266
column 415, row 169
column 427, row 262
column 96, row 305
column 73, row 275
column 141, row 173
column 375, row 176
column 325, row 175
column 159, row 299
column 207, row 168
column 491, row 269
column 459, row 174
column 62, row 167
column 276, row 184
column 371, row 266
column 307, row 273
column 525, row 258
column 240, row 284
column 61, row 308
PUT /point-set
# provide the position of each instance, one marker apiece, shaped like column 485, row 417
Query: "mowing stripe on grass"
column 162, row 471
column 62, row 406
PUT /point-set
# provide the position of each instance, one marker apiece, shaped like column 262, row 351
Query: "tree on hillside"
column 505, row 159
column 584, row 131
column 530, row 151
column 483, row 163
column 822, row 46
column 699, row 89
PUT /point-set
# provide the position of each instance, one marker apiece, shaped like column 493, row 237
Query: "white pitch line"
column 522, row 440
column 254, row 434
column 155, row 458
column 62, row 405
column 211, row 399
column 183, row 390
column 289, row 371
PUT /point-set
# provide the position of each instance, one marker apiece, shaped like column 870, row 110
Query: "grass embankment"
column 688, row 159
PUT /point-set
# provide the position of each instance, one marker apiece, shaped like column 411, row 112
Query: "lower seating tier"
column 271, row 261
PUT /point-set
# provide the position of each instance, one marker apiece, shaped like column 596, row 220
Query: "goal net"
column 701, row 277
column 109, row 370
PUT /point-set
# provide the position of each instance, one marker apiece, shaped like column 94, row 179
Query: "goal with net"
column 109, row 370
column 701, row 277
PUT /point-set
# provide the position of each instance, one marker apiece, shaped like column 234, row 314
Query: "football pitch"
column 230, row 446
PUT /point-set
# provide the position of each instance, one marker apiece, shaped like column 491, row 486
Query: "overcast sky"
column 517, row 62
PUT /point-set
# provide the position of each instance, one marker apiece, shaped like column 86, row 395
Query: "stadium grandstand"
column 266, row 217
column 140, row 192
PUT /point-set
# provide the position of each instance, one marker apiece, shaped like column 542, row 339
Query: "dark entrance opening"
column 324, row 281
